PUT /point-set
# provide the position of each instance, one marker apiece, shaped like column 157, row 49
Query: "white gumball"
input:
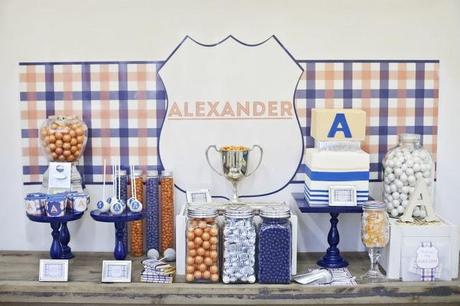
column 409, row 171
column 391, row 177
column 399, row 184
column 404, row 203
column 403, row 196
column 403, row 167
column 394, row 212
column 410, row 162
column 396, row 203
column 387, row 188
column 418, row 175
column 389, row 206
column 411, row 179
column 416, row 167
column 395, row 195
column 393, row 187
column 391, row 163
column 388, row 170
column 406, row 189
column 427, row 173
column 403, row 177
column 398, row 171
column 400, row 209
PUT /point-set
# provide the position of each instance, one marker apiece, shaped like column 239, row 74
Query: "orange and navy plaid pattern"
column 123, row 104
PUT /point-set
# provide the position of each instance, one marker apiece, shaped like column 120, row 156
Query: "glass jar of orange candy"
column 202, row 236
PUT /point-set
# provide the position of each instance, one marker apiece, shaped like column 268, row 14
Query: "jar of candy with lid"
column 137, row 227
column 403, row 167
column 202, row 236
column 152, row 210
column 274, row 246
column 166, row 210
column 374, row 234
column 239, row 236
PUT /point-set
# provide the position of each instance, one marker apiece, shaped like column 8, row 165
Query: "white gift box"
column 405, row 239
column 181, row 223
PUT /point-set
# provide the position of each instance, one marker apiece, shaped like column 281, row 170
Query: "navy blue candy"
column 152, row 213
column 274, row 251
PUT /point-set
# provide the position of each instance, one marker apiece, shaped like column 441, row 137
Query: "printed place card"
column 54, row 270
column 116, row 271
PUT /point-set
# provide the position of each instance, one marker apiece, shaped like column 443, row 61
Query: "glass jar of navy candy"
column 239, row 236
column 404, row 166
column 202, row 236
column 274, row 246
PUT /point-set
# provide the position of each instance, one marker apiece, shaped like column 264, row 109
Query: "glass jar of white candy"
column 239, row 236
column 403, row 167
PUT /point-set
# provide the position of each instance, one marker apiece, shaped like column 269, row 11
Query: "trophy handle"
column 207, row 158
column 260, row 159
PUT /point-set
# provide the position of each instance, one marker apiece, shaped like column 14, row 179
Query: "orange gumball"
column 197, row 274
column 198, row 231
column 205, row 236
column 202, row 267
column 214, row 269
column 192, row 252
column 214, row 277
column 189, row 277
column 190, row 260
column 190, row 269
column 198, row 259
column 200, row 251
column 206, row 275
column 206, row 245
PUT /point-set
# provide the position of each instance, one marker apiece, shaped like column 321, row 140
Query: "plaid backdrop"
column 123, row 104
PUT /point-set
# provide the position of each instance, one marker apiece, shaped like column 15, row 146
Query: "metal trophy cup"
column 234, row 164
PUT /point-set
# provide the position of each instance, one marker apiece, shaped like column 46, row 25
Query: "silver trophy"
column 234, row 164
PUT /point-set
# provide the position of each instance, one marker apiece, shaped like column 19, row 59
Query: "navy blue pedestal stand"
column 120, row 250
column 61, row 236
column 332, row 258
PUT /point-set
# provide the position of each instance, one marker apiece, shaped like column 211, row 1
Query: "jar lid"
column 137, row 172
column 202, row 212
column 374, row 205
column 275, row 211
column 238, row 211
column 152, row 173
column 57, row 197
column 166, row 172
column 407, row 137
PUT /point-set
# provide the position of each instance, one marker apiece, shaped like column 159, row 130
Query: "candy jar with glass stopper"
column 375, row 236
column 63, row 139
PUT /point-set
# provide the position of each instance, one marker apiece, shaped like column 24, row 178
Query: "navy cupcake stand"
column 61, row 236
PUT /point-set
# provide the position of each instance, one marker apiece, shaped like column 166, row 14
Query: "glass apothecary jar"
column 202, row 236
column 137, row 227
column 403, row 166
column 166, row 210
column 239, row 236
column 274, row 245
column 374, row 235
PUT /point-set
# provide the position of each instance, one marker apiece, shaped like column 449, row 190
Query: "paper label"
column 59, row 175
column 427, row 257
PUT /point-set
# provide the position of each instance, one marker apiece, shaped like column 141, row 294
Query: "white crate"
column 405, row 240
column 181, row 221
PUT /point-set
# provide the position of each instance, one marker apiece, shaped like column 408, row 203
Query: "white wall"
column 147, row 30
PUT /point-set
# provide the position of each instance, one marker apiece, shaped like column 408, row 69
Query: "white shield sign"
column 231, row 93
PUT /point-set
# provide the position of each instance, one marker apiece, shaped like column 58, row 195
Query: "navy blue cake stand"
column 332, row 258
column 120, row 251
column 61, row 236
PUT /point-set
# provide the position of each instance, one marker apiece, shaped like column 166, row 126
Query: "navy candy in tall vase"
column 274, row 246
column 152, row 210
column 124, row 198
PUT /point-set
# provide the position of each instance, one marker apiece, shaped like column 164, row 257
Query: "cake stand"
column 61, row 236
column 120, row 223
